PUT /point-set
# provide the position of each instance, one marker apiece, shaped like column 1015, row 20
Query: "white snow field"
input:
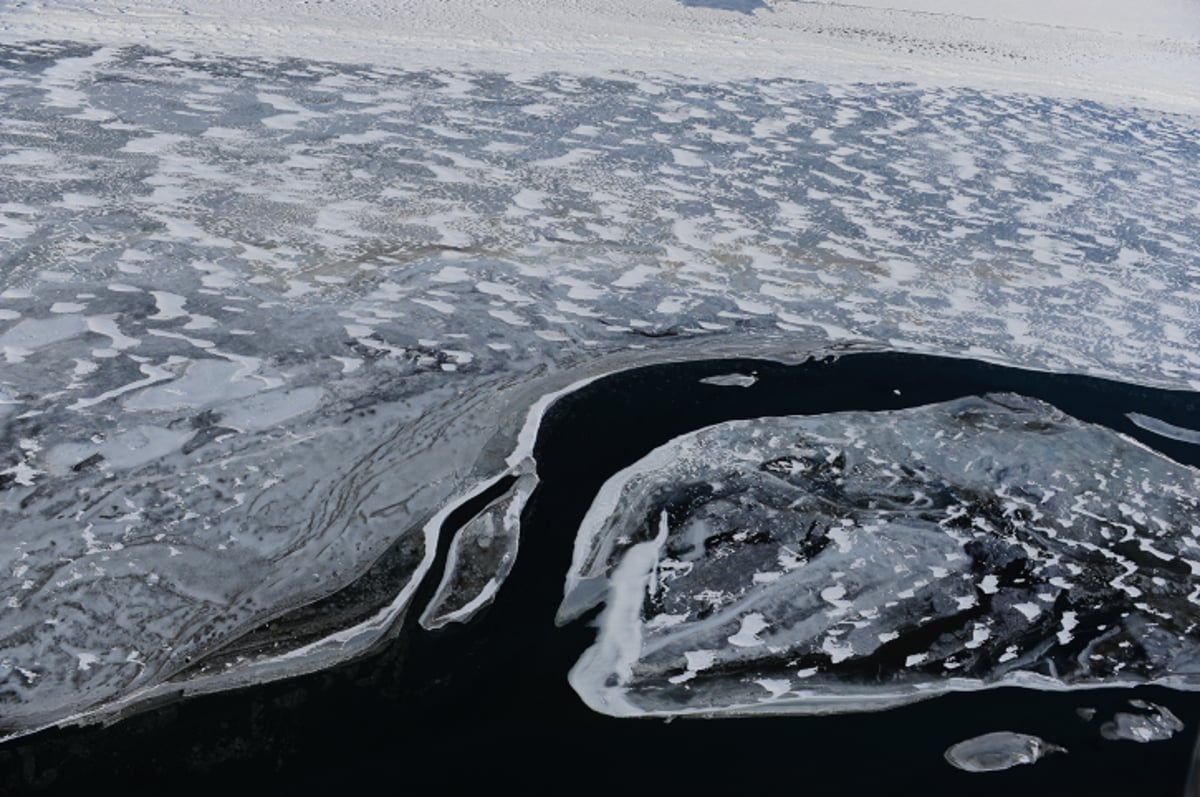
column 281, row 284
column 1144, row 52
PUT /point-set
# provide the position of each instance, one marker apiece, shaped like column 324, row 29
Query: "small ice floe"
column 730, row 380
column 993, row 752
column 1156, row 724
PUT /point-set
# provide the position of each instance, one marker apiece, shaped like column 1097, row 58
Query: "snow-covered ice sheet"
column 858, row 560
column 265, row 320
column 1144, row 52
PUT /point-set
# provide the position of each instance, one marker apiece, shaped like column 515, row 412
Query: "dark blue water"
column 487, row 706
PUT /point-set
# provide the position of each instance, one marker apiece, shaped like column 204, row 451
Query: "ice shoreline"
column 531, row 402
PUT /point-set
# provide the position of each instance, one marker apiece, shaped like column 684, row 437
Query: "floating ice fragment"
column 730, row 380
column 1155, row 724
column 992, row 752
column 887, row 525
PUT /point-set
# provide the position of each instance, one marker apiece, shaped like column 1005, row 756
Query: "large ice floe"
column 859, row 560
column 266, row 321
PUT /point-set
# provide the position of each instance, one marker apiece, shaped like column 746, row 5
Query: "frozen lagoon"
column 264, row 320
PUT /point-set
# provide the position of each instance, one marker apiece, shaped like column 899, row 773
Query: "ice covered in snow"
column 858, row 560
column 273, row 301
column 1141, row 53
column 999, row 750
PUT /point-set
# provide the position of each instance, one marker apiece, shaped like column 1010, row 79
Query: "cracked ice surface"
column 261, row 321
column 859, row 560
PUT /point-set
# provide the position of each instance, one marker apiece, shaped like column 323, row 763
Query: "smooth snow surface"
column 1143, row 52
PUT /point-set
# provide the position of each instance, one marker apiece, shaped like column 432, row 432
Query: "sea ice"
column 730, row 380
column 955, row 546
column 1153, row 723
column 481, row 556
column 313, row 303
column 1000, row 750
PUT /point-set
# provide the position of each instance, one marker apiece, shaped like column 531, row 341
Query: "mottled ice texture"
column 857, row 560
column 1000, row 750
column 262, row 321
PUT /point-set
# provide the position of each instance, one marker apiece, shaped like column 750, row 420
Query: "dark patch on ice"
column 89, row 462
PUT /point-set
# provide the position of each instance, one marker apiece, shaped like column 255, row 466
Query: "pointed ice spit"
column 482, row 554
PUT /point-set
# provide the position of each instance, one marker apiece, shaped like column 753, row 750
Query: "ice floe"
column 1000, row 750
column 957, row 546
column 1151, row 723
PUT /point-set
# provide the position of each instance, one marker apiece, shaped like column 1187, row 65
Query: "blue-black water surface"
column 487, row 705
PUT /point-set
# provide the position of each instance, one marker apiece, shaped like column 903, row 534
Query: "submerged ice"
column 264, row 322
column 857, row 560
